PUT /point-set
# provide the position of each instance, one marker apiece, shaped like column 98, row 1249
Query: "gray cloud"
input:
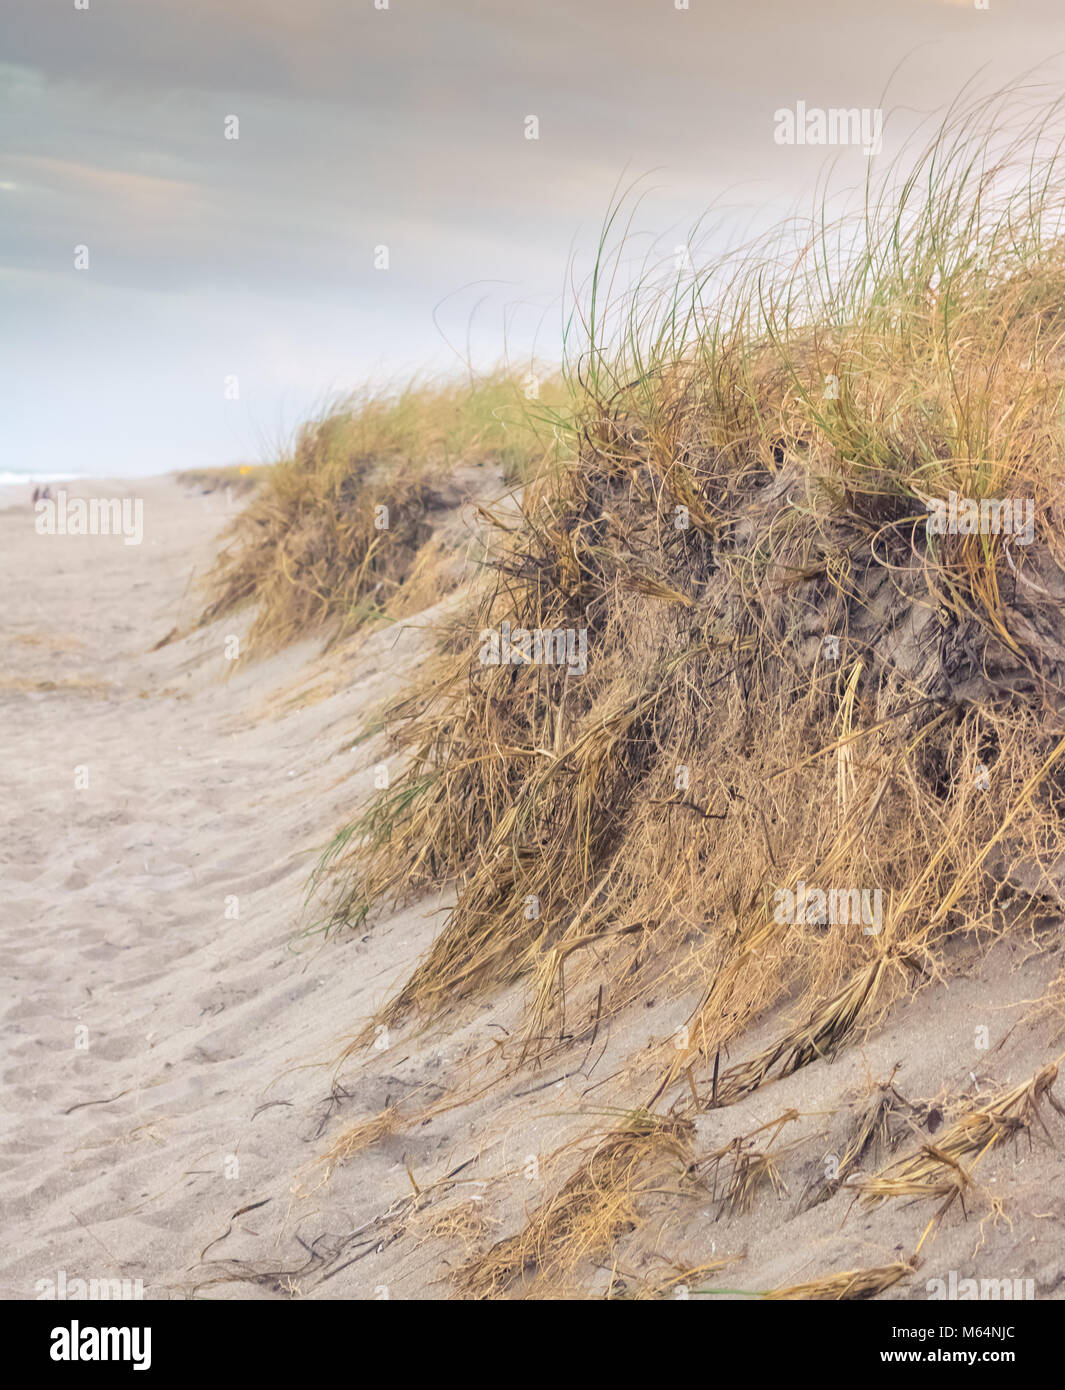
column 405, row 127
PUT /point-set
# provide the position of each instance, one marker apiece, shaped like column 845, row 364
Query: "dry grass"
column 938, row 1171
column 848, row 1284
column 599, row 1203
column 395, row 1119
column 463, row 1222
column 358, row 1137
column 750, row 1167
column 790, row 678
column 713, row 756
column 820, row 1036
column 831, row 1288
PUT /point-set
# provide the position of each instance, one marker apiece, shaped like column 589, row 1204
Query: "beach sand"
column 168, row 1064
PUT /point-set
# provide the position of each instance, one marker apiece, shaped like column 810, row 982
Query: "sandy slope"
column 178, row 1146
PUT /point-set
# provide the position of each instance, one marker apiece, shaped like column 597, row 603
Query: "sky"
column 173, row 298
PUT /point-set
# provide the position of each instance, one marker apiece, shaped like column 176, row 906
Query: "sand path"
column 143, row 1026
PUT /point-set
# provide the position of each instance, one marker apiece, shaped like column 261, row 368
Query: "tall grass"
column 346, row 519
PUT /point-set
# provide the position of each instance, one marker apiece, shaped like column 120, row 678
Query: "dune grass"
column 346, row 519
column 791, row 677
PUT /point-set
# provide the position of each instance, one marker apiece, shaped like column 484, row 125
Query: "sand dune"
column 168, row 1063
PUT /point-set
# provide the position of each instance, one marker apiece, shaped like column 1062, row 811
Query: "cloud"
column 134, row 191
column 405, row 126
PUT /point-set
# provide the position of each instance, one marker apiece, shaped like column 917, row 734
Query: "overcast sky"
column 253, row 258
